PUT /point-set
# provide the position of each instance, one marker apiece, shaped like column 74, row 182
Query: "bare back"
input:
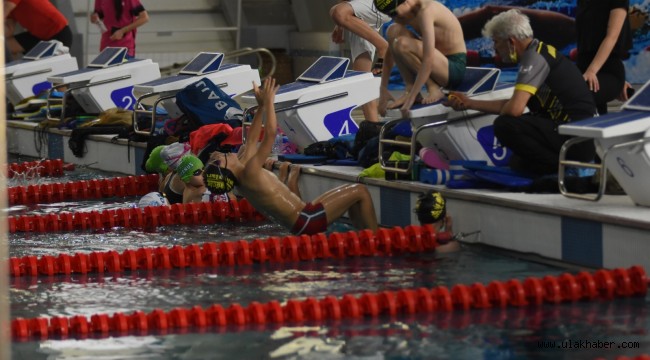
column 270, row 196
column 448, row 32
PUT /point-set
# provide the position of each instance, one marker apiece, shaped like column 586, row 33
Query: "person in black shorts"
column 549, row 84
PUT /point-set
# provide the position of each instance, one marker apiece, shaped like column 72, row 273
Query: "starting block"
column 233, row 79
column 107, row 82
column 318, row 105
column 455, row 135
column 622, row 141
column 28, row 77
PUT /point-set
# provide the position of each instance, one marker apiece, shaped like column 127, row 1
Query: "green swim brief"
column 457, row 64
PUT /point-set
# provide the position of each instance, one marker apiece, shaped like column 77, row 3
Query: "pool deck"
column 612, row 232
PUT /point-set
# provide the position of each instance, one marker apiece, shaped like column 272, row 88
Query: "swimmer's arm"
column 253, row 135
column 425, row 19
column 270, row 126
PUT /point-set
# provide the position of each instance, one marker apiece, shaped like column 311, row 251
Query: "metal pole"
column 5, row 345
column 87, row 34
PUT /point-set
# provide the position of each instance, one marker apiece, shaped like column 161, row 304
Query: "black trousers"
column 535, row 144
column 611, row 78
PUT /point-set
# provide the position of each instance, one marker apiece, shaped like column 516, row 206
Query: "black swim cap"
column 430, row 207
column 218, row 180
column 388, row 7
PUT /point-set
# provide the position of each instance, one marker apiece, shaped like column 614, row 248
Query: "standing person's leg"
column 363, row 40
column 611, row 78
column 343, row 14
column 352, row 198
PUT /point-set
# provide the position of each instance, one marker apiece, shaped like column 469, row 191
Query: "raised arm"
column 267, row 94
column 253, row 135
column 425, row 20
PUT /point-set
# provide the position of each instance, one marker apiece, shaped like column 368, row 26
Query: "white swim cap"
column 173, row 153
column 153, row 199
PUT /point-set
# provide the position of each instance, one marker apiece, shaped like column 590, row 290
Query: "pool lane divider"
column 149, row 217
column 122, row 186
column 364, row 243
column 565, row 288
column 52, row 167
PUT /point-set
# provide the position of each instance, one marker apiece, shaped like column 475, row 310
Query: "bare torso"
column 270, row 196
column 448, row 32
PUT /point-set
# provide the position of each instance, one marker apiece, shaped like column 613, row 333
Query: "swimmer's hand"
column 457, row 101
column 268, row 91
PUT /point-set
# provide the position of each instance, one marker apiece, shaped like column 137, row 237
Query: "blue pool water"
column 515, row 333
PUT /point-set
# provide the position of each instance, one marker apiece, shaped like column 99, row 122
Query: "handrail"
column 86, row 84
column 258, row 52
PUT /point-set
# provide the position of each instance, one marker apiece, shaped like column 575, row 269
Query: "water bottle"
column 277, row 145
column 102, row 27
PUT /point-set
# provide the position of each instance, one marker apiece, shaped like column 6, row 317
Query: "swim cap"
column 155, row 162
column 431, row 207
column 388, row 7
column 172, row 153
column 189, row 166
column 219, row 180
column 153, row 199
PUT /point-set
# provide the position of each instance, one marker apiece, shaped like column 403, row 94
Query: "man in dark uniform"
column 548, row 84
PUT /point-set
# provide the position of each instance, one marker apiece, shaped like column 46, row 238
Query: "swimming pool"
column 524, row 332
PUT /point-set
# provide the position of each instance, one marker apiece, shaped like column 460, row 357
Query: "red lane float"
column 83, row 190
column 226, row 253
column 53, row 167
column 632, row 282
column 147, row 218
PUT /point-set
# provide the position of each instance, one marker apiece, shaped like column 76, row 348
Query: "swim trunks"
column 457, row 66
column 312, row 220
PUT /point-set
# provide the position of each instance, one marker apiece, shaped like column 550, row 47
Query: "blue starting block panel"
column 325, row 69
column 110, row 56
column 640, row 100
column 608, row 126
column 42, row 50
column 203, row 63
column 318, row 105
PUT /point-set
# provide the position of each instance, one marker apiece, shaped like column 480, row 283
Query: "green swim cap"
column 388, row 7
column 430, row 207
column 155, row 163
column 189, row 166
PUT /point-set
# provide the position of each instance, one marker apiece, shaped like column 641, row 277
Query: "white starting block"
column 318, row 105
column 456, row 135
column 106, row 83
column 28, row 77
column 622, row 141
column 233, row 79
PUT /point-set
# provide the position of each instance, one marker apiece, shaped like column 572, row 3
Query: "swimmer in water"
column 245, row 172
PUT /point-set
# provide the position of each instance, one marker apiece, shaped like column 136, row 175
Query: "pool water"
column 515, row 333
column 31, row 176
